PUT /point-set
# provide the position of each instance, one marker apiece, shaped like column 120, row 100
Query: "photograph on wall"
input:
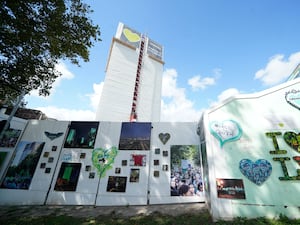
column 68, row 177
column 186, row 175
column 2, row 158
column 81, row 135
column 135, row 136
column 10, row 138
column 116, row 184
column 206, row 186
column 23, row 165
column 137, row 160
column 230, row 188
column 134, row 175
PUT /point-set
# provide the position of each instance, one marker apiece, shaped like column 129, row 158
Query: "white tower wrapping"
column 132, row 85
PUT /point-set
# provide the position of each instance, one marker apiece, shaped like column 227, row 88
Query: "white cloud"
column 67, row 114
column 70, row 114
column 278, row 69
column 74, row 114
column 197, row 82
column 175, row 106
column 178, row 108
column 225, row 95
column 95, row 97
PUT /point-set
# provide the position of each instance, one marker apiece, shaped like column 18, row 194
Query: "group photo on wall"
column 186, row 175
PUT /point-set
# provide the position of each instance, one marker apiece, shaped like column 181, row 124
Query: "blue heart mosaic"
column 257, row 172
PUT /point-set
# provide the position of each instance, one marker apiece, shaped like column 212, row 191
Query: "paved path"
column 92, row 211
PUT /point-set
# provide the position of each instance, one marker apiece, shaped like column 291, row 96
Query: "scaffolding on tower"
column 133, row 114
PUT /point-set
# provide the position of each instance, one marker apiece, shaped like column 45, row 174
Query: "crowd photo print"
column 186, row 175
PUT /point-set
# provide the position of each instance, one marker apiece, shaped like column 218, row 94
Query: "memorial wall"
column 101, row 163
column 242, row 159
column 252, row 148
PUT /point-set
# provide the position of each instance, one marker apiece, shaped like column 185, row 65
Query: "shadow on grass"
column 154, row 219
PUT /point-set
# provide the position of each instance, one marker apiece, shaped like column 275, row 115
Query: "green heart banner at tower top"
column 130, row 36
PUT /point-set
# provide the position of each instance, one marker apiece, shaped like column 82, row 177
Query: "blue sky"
column 212, row 50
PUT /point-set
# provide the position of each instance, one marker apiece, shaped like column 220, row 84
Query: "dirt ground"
column 92, row 211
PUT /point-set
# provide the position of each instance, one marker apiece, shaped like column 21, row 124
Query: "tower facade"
column 132, row 85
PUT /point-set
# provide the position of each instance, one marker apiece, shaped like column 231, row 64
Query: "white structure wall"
column 117, row 93
column 252, row 141
column 89, row 183
column 116, row 100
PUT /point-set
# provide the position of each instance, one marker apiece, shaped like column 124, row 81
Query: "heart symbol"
column 103, row 159
column 293, row 98
column 164, row 137
column 52, row 136
column 257, row 172
column 132, row 37
column 227, row 130
column 292, row 139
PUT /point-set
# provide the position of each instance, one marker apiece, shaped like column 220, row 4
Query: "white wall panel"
column 42, row 177
column 180, row 134
column 136, row 192
column 86, row 186
column 275, row 110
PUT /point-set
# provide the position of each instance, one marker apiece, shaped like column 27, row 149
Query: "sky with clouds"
column 212, row 51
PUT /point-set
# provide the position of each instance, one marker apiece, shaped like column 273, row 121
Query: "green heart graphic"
column 132, row 37
column 292, row 139
column 103, row 159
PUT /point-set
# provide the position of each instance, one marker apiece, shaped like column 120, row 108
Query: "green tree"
column 35, row 35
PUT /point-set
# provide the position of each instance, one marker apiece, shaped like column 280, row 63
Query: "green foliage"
column 190, row 152
column 34, row 35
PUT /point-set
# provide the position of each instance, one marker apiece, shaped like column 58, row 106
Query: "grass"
column 154, row 219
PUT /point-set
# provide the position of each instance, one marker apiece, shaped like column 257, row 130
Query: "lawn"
column 154, row 219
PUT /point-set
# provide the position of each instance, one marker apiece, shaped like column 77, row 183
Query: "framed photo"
column 82, row 155
column 185, row 167
column 165, row 167
column 230, row 188
column 156, row 162
column 116, row 184
column 10, row 137
column 2, row 158
column 88, row 168
column 156, row 173
column 137, row 160
column 50, row 160
column 54, row 148
column 21, row 170
column 81, row 134
column 68, row 177
column 157, row 151
column 118, row 170
column 134, row 175
column 135, row 136
column 124, row 162
column 165, row 153
column 92, row 175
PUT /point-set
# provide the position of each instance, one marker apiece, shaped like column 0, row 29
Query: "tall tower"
column 132, row 85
